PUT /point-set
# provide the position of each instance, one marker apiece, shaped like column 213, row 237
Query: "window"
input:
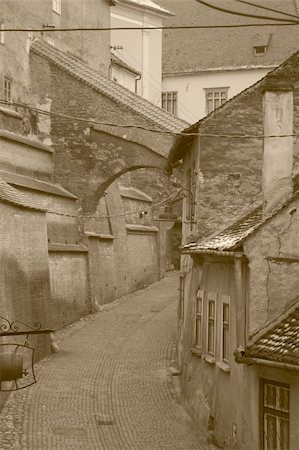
column 2, row 33
column 198, row 318
column 215, row 98
column 275, row 415
column 56, row 6
column 182, row 294
column 7, row 89
column 211, row 336
column 260, row 50
column 169, row 102
column 225, row 347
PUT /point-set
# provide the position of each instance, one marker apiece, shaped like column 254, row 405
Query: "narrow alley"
column 110, row 386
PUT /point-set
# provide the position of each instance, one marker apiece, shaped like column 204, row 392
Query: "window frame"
column 257, row 53
column 199, row 316
column 213, row 91
column 225, row 300
column 182, row 296
column 279, row 414
column 171, row 98
column 7, row 87
column 211, row 297
column 56, row 6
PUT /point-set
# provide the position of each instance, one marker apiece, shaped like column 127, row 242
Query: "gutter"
column 264, row 362
column 212, row 252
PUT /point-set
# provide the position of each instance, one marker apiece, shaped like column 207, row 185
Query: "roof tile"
column 99, row 82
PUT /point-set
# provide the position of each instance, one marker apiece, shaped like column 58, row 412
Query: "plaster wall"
column 24, row 279
column 123, row 77
column 30, row 161
column 191, row 88
column 214, row 394
column 274, row 267
column 142, row 259
column 69, row 286
column 142, row 49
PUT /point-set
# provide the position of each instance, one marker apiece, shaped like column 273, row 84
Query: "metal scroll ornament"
column 16, row 360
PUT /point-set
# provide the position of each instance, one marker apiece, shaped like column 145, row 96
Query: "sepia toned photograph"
column 149, row 224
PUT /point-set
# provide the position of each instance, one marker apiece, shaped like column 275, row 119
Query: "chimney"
column 277, row 184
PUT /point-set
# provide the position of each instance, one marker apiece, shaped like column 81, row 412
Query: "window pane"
column 211, row 337
column 284, row 399
column 270, row 395
column 198, row 332
column 211, row 308
column 199, row 305
column 284, row 434
column 216, row 103
column 271, row 431
column 225, row 344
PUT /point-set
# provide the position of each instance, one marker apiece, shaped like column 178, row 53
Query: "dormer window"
column 260, row 50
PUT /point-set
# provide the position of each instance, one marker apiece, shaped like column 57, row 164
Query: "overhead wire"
column 238, row 13
column 281, row 22
column 91, row 122
column 266, row 8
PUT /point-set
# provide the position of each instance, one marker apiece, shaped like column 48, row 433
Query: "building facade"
column 203, row 68
column 238, row 301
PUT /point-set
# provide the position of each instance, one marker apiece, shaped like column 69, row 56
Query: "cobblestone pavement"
column 110, row 386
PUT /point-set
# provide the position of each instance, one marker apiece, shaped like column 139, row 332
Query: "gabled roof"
column 278, row 341
column 100, row 83
column 196, row 50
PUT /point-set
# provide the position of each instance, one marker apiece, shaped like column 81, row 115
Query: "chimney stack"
column 277, row 184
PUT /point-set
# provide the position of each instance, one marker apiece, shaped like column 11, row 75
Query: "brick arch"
column 111, row 157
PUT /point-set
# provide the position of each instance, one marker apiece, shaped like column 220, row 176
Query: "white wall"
column 191, row 88
column 123, row 77
column 142, row 49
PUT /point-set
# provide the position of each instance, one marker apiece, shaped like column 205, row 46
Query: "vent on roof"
column 260, row 50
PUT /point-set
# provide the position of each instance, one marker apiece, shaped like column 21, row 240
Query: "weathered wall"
column 121, row 260
column 69, row 286
column 85, row 158
column 274, row 267
column 24, row 278
column 230, row 168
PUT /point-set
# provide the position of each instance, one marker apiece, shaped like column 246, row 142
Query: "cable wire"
column 175, row 27
column 153, row 130
column 266, row 8
column 251, row 16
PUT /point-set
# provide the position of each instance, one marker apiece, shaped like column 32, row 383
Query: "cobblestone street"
column 110, row 386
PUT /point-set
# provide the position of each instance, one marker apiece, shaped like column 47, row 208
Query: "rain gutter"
column 265, row 362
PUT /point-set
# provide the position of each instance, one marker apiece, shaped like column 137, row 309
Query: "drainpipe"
column 137, row 79
column 240, row 302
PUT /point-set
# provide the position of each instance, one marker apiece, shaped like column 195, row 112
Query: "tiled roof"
column 231, row 237
column 102, row 84
column 10, row 195
column 279, row 342
column 192, row 50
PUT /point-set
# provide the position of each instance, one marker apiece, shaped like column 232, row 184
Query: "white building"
column 139, row 49
column 202, row 68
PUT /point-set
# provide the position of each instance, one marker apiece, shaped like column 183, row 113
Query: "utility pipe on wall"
column 240, row 302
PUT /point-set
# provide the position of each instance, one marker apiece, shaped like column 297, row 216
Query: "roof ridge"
column 118, row 93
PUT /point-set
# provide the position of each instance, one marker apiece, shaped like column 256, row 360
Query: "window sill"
column 223, row 366
column 196, row 351
column 210, row 359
